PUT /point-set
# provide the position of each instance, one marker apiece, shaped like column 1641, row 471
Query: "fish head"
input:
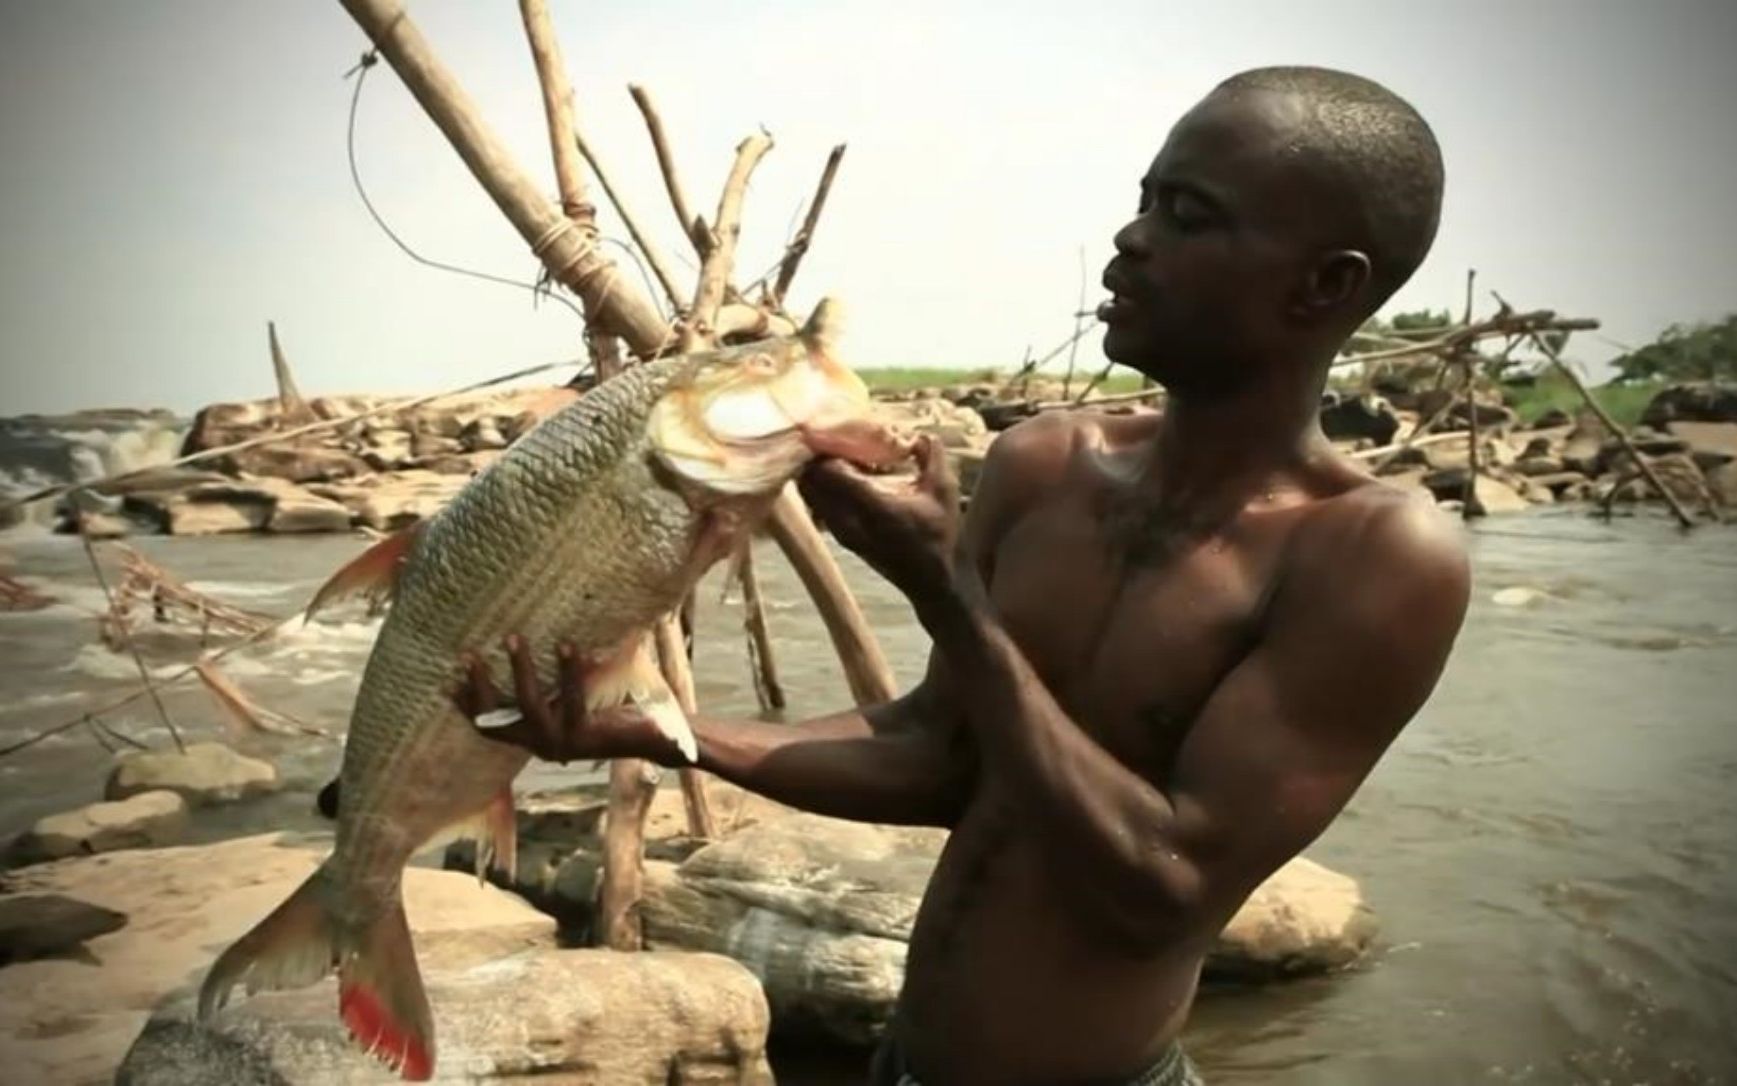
column 744, row 420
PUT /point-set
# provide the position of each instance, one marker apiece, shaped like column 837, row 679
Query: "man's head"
column 1280, row 213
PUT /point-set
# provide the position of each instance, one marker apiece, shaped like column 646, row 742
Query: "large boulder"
column 67, row 1020
column 541, row 1013
column 204, row 774
column 144, row 820
column 1345, row 418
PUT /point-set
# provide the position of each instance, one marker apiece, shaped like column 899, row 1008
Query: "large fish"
column 587, row 530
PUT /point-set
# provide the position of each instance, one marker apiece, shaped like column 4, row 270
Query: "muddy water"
column 1551, row 846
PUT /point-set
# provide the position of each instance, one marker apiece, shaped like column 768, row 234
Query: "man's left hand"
column 906, row 530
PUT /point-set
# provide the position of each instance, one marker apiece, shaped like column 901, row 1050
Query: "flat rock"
column 821, row 910
column 1711, row 443
column 68, row 1021
column 552, row 1015
column 145, row 820
column 47, row 925
column 389, row 502
column 184, row 516
column 203, row 774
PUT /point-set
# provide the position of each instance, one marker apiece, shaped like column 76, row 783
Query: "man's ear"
column 1337, row 281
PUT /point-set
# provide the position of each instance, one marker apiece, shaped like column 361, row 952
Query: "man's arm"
column 1356, row 637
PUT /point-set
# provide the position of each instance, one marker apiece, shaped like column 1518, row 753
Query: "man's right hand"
column 560, row 728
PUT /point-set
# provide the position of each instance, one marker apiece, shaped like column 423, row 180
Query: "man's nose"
column 1130, row 240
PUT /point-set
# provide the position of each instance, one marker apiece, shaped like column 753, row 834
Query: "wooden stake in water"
column 127, row 637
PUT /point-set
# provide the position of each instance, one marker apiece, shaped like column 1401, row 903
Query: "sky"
column 173, row 173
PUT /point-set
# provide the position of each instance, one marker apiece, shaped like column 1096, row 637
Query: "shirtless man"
column 1167, row 649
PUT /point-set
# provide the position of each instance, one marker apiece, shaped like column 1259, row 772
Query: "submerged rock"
column 203, row 774
column 144, row 820
column 1304, row 919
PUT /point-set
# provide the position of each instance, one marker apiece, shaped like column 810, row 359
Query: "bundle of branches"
column 146, row 587
column 17, row 596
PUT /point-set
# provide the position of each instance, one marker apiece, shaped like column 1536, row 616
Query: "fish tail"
column 381, row 998
column 292, row 947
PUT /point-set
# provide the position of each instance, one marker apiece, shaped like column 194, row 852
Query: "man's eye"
column 1186, row 209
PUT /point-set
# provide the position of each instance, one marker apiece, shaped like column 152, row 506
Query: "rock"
column 1550, row 419
column 389, row 502
column 1534, row 493
column 957, row 427
column 1711, row 443
column 821, row 911
column 1491, row 416
column 1700, row 402
column 1305, row 919
column 1494, row 496
column 72, row 1022
column 543, row 1014
column 423, row 444
column 205, row 774
column 1722, row 484
column 309, row 514
column 36, row 926
column 183, row 516
column 1539, row 465
column 1346, row 418
column 297, row 462
column 144, row 820
column 1404, row 461
column 466, row 464
column 1560, row 482
column 482, row 433
column 100, row 526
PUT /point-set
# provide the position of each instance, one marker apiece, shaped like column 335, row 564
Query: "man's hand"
column 559, row 729
column 906, row 531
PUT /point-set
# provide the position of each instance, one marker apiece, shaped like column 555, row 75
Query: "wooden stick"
column 558, row 108
column 1617, row 431
column 865, row 667
column 1074, row 343
column 1471, row 505
column 691, row 228
column 804, row 237
column 653, row 255
column 632, row 784
column 571, row 255
column 132, row 648
column 1506, row 323
column 727, row 228
column 290, row 405
column 672, row 657
column 761, row 665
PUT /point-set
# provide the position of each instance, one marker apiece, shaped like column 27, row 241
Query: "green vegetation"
column 1697, row 352
column 1625, row 402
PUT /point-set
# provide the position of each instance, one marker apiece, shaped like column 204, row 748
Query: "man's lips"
column 1119, row 305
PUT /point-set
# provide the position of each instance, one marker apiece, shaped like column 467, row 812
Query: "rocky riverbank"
column 786, row 925
column 393, row 467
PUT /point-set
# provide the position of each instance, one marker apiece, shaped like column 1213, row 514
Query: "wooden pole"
column 762, row 666
column 653, row 255
column 132, row 649
column 798, row 247
column 632, row 784
column 691, row 227
column 1471, row 505
column 865, row 666
column 571, row 255
column 727, row 228
column 292, row 409
column 672, row 657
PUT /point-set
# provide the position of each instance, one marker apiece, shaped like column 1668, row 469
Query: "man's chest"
column 1132, row 644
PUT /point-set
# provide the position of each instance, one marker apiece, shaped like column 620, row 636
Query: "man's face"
column 1203, row 276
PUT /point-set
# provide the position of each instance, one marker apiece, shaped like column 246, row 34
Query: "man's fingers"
column 572, row 681
column 476, row 692
column 934, row 473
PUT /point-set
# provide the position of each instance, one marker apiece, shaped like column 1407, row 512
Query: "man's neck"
column 1212, row 450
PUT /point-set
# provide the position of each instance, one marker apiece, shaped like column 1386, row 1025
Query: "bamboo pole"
column 572, row 257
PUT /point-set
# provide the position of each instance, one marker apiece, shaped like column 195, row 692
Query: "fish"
column 586, row 531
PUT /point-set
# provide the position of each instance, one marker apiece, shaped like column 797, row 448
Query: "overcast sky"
column 173, row 175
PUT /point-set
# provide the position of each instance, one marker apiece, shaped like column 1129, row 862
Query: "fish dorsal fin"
column 373, row 573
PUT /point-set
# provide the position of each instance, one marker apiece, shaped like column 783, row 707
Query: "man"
column 1167, row 649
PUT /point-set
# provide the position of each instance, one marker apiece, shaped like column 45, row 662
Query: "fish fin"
column 294, row 946
column 381, row 999
column 494, row 828
column 648, row 690
column 373, row 573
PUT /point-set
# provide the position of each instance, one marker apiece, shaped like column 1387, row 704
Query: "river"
column 1549, row 845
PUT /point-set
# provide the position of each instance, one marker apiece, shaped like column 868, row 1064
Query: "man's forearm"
column 840, row 766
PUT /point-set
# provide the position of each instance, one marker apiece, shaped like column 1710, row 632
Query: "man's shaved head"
column 1370, row 142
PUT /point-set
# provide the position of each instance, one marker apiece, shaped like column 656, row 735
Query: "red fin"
column 382, row 1002
column 373, row 573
